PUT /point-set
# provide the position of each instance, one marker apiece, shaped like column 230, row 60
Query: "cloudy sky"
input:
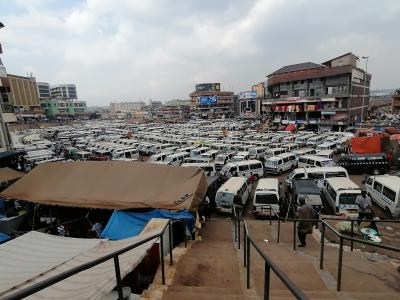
column 159, row 49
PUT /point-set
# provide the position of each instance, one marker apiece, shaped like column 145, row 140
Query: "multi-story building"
column 333, row 94
column 208, row 101
column 260, row 91
column 6, row 109
column 24, row 92
column 64, row 91
column 55, row 108
column 116, row 107
column 396, row 101
column 176, row 110
column 43, row 90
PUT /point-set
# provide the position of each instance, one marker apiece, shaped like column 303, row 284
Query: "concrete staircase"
column 213, row 268
column 361, row 278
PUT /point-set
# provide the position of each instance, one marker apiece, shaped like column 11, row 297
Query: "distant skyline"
column 131, row 50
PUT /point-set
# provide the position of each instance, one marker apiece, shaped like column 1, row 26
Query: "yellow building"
column 23, row 91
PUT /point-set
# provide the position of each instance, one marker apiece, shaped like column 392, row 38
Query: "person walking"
column 365, row 209
column 305, row 211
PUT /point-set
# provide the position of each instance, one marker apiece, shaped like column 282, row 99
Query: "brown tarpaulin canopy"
column 111, row 185
column 7, row 174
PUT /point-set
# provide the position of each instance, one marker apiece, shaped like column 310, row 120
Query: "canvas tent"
column 35, row 256
column 7, row 175
column 111, row 185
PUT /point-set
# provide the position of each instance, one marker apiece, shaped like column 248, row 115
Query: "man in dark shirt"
column 305, row 211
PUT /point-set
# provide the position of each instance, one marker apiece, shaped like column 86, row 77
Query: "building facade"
column 55, row 108
column 330, row 95
column 396, row 101
column 116, row 107
column 24, row 92
column 64, row 91
column 43, row 90
column 208, row 101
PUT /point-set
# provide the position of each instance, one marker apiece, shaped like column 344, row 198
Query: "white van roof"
column 315, row 157
column 268, row 184
column 388, row 180
column 243, row 162
column 198, row 165
column 319, row 170
column 233, row 184
column 342, row 183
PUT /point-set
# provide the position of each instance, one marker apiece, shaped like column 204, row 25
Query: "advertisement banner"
column 248, row 95
column 208, row 87
column 207, row 100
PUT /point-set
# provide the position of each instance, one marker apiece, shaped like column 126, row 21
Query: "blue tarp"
column 4, row 237
column 123, row 224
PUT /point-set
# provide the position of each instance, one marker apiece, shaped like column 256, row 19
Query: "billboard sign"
column 208, row 87
column 248, row 95
column 207, row 100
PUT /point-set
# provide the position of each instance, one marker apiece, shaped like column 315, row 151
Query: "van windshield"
column 271, row 162
column 347, row 198
column 220, row 158
column 224, row 197
column 266, row 199
column 328, row 163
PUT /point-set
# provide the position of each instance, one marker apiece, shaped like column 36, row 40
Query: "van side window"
column 292, row 157
column 335, row 174
column 310, row 162
column 318, row 164
column 285, row 159
column 378, row 187
column 369, row 181
column 316, row 175
column 388, row 193
column 244, row 168
column 303, row 160
column 255, row 166
column 299, row 176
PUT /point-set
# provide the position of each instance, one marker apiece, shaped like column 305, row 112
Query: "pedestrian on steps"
column 305, row 211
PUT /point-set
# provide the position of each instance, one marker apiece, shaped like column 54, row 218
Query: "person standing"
column 305, row 211
column 365, row 209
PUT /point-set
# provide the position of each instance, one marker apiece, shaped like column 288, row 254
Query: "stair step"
column 205, row 289
column 181, row 295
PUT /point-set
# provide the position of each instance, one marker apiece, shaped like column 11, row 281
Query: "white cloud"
column 130, row 49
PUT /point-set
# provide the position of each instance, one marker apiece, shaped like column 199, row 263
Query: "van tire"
column 388, row 214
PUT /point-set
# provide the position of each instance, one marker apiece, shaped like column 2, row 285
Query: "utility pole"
column 365, row 86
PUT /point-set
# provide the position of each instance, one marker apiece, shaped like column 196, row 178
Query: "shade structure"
column 7, row 174
column 111, row 185
column 51, row 255
column 290, row 127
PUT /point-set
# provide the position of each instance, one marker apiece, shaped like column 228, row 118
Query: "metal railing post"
column 339, row 274
column 279, row 228
column 244, row 245
column 270, row 215
column 352, row 235
column 294, row 235
column 267, row 277
column 170, row 243
column 118, row 277
column 238, row 240
column 235, row 224
column 162, row 258
column 321, row 256
column 248, row 262
column 184, row 233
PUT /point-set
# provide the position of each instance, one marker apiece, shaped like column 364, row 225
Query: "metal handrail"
column 342, row 237
column 114, row 255
column 268, row 263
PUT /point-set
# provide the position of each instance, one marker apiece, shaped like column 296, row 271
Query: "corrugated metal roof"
column 296, row 67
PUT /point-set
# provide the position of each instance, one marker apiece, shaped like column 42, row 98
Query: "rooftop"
column 296, row 67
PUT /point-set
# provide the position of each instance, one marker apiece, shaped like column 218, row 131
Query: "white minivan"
column 385, row 192
column 280, row 163
column 176, row 159
column 243, row 168
column 266, row 194
column 341, row 194
column 318, row 174
column 208, row 168
column 234, row 186
column 308, row 161
column 274, row 152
